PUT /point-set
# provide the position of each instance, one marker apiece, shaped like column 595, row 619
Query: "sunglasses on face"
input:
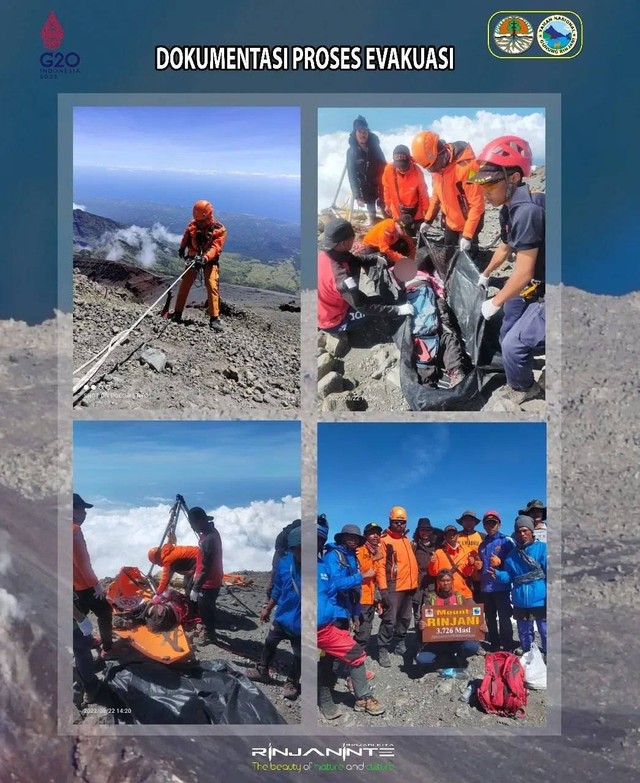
column 491, row 185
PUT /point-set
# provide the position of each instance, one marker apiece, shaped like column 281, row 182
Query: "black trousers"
column 397, row 618
column 278, row 633
column 87, row 602
column 207, row 608
column 365, row 621
column 451, row 241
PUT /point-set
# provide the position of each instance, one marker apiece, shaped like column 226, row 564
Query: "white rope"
column 117, row 340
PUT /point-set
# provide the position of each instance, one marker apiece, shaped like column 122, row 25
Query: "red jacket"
column 332, row 308
column 206, row 241
column 461, row 201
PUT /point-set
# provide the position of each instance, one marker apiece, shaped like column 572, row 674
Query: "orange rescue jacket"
column 405, row 189
column 367, row 560
column 207, row 241
column 461, row 202
column 401, row 566
column 84, row 577
column 470, row 542
column 176, row 559
column 460, row 567
column 383, row 237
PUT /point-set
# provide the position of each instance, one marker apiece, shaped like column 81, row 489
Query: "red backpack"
column 502, row 689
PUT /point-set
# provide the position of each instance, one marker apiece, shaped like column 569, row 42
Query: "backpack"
column 502, row 690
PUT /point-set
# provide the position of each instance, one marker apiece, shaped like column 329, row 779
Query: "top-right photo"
column 431, row 259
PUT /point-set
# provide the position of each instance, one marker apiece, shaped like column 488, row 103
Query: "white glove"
column 86, row 627
column 406, row 309
column 483, row 282
column 489, row 309
column 98, row 591
column 424, row 227
column 465, row 245
column 193, row 596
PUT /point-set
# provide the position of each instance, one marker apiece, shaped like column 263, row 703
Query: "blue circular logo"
column 557, row 35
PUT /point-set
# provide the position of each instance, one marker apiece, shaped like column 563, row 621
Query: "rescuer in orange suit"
column 390, row 238
column 461, row 202
column 203, row 239
column 406, row 197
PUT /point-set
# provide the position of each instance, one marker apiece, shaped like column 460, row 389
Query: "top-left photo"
column 186, row 258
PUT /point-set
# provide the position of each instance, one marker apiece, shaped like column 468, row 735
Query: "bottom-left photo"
column 186, row 572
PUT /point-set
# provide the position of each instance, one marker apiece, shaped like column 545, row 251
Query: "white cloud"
column 477, row 129
column 79, row 206
column 146, row 241
column 116, row 538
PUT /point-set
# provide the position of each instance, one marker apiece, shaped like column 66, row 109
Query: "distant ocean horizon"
column 278, row 199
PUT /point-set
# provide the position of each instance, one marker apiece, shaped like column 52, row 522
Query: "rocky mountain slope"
column 252, row 364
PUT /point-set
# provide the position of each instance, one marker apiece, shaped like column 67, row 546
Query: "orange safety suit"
column 385, row 237
column 84, row 577
column 176, row 559
column 401, row 566
column 207, row 242
column 470, row 542
column 461, row 201
column 367, row 560
column 460, row 567
column 405, row 189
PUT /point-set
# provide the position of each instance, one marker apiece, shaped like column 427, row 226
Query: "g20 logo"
column 59, row 60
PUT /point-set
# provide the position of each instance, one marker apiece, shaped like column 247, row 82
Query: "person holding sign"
column 458, row 653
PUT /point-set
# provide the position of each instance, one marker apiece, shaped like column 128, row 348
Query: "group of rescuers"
column 202, row 570
column 385, row 571
column 461, row 182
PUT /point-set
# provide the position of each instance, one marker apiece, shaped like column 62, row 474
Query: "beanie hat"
column 524, row 521
column 360, row 123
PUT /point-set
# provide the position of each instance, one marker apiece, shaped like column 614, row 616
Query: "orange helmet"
column 154, row 555
column 203, row 210
column 399, row 513
column 424, row 148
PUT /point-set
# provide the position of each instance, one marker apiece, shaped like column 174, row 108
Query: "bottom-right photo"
column 432, row 575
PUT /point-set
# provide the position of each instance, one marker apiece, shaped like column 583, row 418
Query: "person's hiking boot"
column 369, row 705
column 328, row 708
column 384, row 659
column 177, row 317
column 401, row 647
column 204, row 639
column 290, row 690
column 520, row 396
column 259, row 674
column 215, row 324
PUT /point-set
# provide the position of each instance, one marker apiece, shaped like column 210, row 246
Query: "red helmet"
column 507, row 152
column 203, row 210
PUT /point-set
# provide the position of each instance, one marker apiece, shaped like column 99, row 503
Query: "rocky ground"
column 241, row 637
column 253, row 365
column 360, row 371
column 414, row 696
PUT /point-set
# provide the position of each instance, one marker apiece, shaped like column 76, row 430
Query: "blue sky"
column 255, row 141
column 434, row 470
column 138, row 463
column 390, row 120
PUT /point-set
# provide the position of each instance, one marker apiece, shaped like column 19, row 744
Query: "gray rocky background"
column 252, row 365
column 594, row 456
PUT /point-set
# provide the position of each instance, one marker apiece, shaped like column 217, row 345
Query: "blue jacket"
column 500, row 546
column 529, row 594
column 286, row 593
column 345, row 579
